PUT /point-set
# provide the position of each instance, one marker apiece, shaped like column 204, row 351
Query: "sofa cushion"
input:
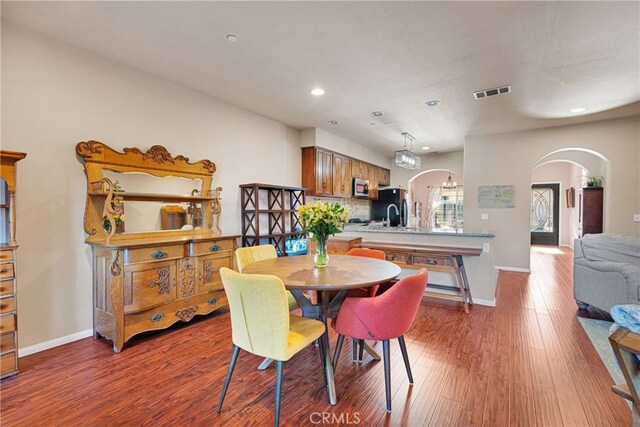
column 614, row 247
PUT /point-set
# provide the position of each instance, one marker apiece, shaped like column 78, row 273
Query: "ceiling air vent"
column 492, row 92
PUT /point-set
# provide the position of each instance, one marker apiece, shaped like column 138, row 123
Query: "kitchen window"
column 449, row 210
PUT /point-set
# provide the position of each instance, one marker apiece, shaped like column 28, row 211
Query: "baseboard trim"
column 36, row 348
column 516, row 269
column 485, row 302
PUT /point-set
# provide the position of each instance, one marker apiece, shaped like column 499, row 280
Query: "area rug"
column 598, row 332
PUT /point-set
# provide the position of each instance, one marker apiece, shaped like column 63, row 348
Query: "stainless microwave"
column 360, row 188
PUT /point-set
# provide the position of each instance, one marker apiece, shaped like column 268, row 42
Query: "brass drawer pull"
column 4, row 270
column 214, row 248
column 212, row 300
column 157, row 317
column 159, row 254
column 432, row 261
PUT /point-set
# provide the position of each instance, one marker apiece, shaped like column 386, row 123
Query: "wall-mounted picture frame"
column 571, row 197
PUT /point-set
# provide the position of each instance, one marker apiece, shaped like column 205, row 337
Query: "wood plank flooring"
column 526, row 362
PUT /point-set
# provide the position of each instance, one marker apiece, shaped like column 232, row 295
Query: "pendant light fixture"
column 449, row 184
column 406, row 158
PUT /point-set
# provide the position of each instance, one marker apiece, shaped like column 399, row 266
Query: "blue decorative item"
column 296, row 246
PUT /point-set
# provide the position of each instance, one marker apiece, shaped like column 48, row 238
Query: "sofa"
column 606, row 270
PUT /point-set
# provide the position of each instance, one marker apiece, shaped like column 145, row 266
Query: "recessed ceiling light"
column 377, row 114
column 232, row 38
column 425, row 148
column 333, row 122
column 433, row 103
column 578, row 110
column 318, row 91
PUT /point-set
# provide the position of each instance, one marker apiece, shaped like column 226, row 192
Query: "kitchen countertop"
column 358, row 228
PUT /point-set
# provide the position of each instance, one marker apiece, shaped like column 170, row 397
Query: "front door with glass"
column 545, row 214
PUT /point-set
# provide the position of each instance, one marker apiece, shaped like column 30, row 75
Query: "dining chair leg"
column 279, row 368
column 355, row 349
column 265, row 364
column 386, row 355
column 336, row 354
column 360, row 350
column 405, row 357
column 232, row 364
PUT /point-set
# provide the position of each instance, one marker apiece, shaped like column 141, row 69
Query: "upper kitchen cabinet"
column 373, row 181
column 329, row 174
column 341, row 176
column 317, row 171
column 384, row 177
column 359, row 169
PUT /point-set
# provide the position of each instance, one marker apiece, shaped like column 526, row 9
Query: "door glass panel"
column 542, row 220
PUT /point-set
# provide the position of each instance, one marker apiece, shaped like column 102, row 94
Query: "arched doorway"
column 557, row 180
column 432, row 204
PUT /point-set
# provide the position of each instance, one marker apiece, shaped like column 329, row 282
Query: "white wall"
column 55, row 95
column 453, row 161
column 321, row 138
column 508, row 159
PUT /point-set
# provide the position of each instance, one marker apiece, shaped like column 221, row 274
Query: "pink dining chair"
column 382, row 318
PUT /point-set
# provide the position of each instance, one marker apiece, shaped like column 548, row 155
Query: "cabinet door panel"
column 338, row 171
column 346, row 177
column 324, row 173
column 149, row 284
column 208, row 268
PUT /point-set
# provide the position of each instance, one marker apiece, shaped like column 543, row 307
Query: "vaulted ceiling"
column 375, row 56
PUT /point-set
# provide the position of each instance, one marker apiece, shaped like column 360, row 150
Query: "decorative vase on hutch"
column 321, row 257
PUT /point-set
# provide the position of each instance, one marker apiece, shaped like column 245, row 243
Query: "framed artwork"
column 496, row 196
column 571, row 197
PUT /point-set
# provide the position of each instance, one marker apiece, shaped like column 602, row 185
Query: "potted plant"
column 594, row 181
column 323, row 220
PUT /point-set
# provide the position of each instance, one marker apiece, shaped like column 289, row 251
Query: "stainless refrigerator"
column 386, row 197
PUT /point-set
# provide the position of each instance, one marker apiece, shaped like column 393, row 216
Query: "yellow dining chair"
column 251, row 254
column 261, row 324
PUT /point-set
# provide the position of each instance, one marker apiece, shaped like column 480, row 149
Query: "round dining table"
column 299, row 273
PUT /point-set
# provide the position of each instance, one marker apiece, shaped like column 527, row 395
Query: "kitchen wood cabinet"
column 338, row 245
column 341, row 176
column 360, row 169
column 373, row 182
column 384, row 177
column 329, row 174
column 317, row 171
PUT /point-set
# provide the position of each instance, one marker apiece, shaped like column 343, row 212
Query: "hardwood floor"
column 525, row 362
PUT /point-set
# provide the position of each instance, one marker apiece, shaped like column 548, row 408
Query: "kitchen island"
column 480, row 270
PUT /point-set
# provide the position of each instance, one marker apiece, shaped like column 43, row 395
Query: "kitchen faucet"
column 389, row 214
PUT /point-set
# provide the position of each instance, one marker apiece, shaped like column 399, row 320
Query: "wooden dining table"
column 299, row 273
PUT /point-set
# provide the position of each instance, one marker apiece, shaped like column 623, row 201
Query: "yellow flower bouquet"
column 323, row 220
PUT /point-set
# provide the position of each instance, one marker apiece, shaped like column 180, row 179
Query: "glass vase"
column 321, row 257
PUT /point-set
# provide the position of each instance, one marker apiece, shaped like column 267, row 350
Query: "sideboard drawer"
column 7, row 305
column 6, row 271
column 212, row 246
column 149, row 284
column 6, row 255
column 7, row 342
column 7, row 323
column 158, row 253
column 7, row 287
column 167, row 314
